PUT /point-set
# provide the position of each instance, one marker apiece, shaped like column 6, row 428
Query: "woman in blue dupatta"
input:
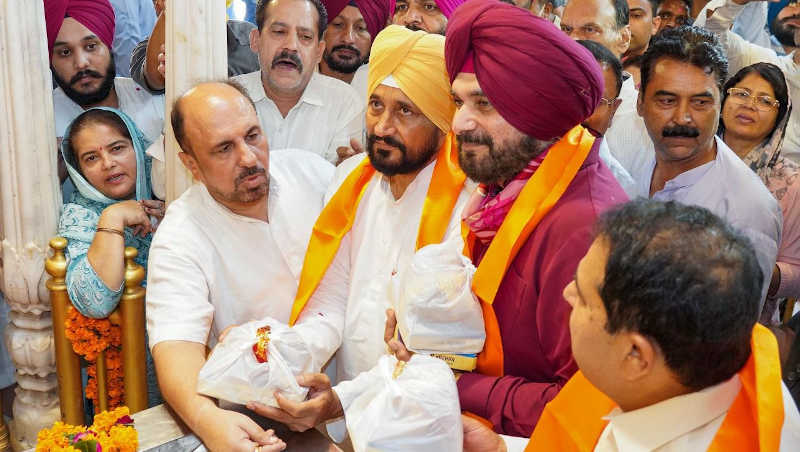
column 111, row 208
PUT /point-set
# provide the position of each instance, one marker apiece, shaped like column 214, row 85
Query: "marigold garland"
column 89, row 337
column 112, row 431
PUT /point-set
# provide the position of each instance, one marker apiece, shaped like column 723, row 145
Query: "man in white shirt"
column 407, row 191
column 680, row 101
column 228, row 251
column 663, row 327
column 80, row 41
column 299, row 107
column 742, row 53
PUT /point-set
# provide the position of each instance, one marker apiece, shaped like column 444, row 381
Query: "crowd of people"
column 622, row 174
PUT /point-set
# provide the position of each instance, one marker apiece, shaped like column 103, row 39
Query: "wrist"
column 336, row 410
column 200, row 411
column 110, row 219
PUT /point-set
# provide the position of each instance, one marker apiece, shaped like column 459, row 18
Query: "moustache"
column 247, row 172
column 680, row 131
column 81, row 74
column 347, row 47
column 285, row 56
column 389, row 141
column 475, row 138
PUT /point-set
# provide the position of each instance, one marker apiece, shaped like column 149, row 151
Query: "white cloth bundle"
column 436, row 309
column 417, row 411
column 232, row 372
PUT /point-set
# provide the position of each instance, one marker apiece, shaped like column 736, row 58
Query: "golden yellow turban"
column 415, row 59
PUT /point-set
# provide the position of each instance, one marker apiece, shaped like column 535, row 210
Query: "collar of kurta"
column 313, row 94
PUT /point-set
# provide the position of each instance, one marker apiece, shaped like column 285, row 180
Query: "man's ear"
column 190, row 162
column 255, row 40
column 641, row 358
column 656, row 24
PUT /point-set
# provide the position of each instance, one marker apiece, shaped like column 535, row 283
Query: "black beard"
column 342, row 66
column 95, row 97
column 407, row 165
column 784, row 33
column 501, row 164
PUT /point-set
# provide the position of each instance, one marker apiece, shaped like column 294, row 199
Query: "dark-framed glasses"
column 741, row 96
column 607, row 102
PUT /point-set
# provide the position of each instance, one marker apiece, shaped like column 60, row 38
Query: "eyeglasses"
column 607, row 102
column 741, row 96
column 667, row 16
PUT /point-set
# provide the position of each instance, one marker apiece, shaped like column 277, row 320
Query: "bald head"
column 202, row 100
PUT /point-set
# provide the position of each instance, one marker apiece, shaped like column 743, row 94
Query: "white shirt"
column 627, row 138
column 742, row 53
column 731, row 190
column 146, row 110
column 620, row 173
column 680, row 424
column 327, row 116
column 210, row 268
column 380, row 243
column 360, row 81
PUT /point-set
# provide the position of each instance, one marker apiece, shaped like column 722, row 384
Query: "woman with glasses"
column 755, row 112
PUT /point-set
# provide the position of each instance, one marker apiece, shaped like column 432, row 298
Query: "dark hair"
column 684, row 278
column 774, row 76
column 605, row 58
column 85, row 119
column 687, row 3
column 177, row 120
column 322, row 15
column 621, row 13
column 686, row 44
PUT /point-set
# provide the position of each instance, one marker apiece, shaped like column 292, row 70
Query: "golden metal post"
column 131, row 306
column 5, row 445
column 70, row 390
column 102, row 381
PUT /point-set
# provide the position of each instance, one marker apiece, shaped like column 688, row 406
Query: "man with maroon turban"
column 352, row 25
column 427, row 15
column 79, row 39
column 542, row 185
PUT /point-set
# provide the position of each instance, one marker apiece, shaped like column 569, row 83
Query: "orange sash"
column 338, row 215
column 572, row 421
column 539, row 195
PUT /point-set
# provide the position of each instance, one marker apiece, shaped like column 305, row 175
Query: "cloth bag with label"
column 436, row 309
column 405, row 407
column 233, row 373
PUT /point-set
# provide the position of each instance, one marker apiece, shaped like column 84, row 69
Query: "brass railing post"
column 131, row 307
column 70, row 390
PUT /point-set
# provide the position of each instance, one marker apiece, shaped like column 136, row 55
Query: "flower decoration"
column 112, row 431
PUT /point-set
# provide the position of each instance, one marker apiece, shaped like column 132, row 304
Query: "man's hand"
column 344, row 152
column 321, row 405
column 480, row 438
column 396, row 346
column 162, row 61
column 223, row 430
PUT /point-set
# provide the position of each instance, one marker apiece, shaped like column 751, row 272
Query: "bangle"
column 113, row 231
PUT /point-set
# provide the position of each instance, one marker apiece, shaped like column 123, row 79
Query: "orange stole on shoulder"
column 338, row 215
column 537, row 197
column 572, row 421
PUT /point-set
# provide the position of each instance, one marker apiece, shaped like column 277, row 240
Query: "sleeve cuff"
column 473, row 392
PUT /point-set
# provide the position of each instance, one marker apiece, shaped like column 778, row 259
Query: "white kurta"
column 146, row 110
column 380, row 243
column 210, row 268
column 327, row 116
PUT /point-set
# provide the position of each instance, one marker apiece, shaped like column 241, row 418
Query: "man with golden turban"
column 405, row 193
column 542, row 185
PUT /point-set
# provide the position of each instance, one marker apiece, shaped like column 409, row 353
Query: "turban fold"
column 539, row 80
column 415, row 60
column 445, row 6
column 96, row 15
column 375, row 12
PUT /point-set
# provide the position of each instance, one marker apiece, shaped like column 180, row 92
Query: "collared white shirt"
column 146, row 110
column 210, row 268
column 728, row 188
column 627, row 137
column 742, row 53
column 327, row 116
column 380, row 244
column 686, row 423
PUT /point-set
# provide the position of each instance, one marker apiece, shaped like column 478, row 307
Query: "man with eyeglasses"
column 742, row 53
column 680, row 101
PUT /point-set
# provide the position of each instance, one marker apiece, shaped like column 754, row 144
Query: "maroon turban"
column 539, row 80
column 375, row 12
column 96, row 15
column 445, row 6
